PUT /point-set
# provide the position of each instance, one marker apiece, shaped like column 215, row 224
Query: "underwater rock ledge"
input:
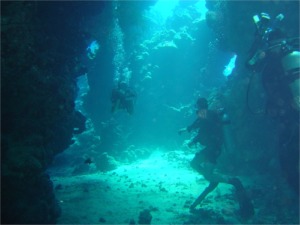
column 39, row 60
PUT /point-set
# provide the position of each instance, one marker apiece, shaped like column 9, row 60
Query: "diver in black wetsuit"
column 123, row 97
column 210, row 134
column 277, row 59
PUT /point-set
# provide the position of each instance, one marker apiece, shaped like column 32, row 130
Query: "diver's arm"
column 189, row 128
column 186, row 129
column 130, row 95
column 193, row 126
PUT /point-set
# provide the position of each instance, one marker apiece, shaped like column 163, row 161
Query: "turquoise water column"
column 121, row 72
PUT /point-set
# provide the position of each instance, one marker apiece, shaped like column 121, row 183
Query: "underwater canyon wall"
column 41, row 46
column 41, row 49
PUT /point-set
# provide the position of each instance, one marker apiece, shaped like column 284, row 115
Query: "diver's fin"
column 246, row 206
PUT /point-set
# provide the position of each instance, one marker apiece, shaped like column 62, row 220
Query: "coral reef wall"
column 41, row 46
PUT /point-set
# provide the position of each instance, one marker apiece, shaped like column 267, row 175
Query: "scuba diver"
column 209, row 124
column 123, row 97
column 277, row 58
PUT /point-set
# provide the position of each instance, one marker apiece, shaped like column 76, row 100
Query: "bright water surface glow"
column 201, row 8
column 164, row 8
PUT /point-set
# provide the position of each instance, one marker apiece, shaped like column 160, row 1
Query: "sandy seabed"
column 161, row 184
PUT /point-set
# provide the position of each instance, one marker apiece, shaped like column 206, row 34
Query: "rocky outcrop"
column 40, row 49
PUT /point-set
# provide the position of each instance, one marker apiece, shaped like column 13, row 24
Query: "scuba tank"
column 289, row 55
column 291, row 66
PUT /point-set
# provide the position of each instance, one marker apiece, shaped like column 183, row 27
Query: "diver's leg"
column 208, row 170
column 115, row 106
column 197, row 162
column 207, row 190
column 200, row 164
column 129, row 107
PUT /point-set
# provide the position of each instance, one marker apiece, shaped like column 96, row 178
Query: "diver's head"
column 262, row 22
column 202, row 107
column 202, row 104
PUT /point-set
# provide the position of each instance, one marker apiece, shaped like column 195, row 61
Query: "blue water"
column 170, row 55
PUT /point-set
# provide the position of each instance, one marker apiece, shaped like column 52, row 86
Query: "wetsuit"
column 123, row 98
column 210, row 134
